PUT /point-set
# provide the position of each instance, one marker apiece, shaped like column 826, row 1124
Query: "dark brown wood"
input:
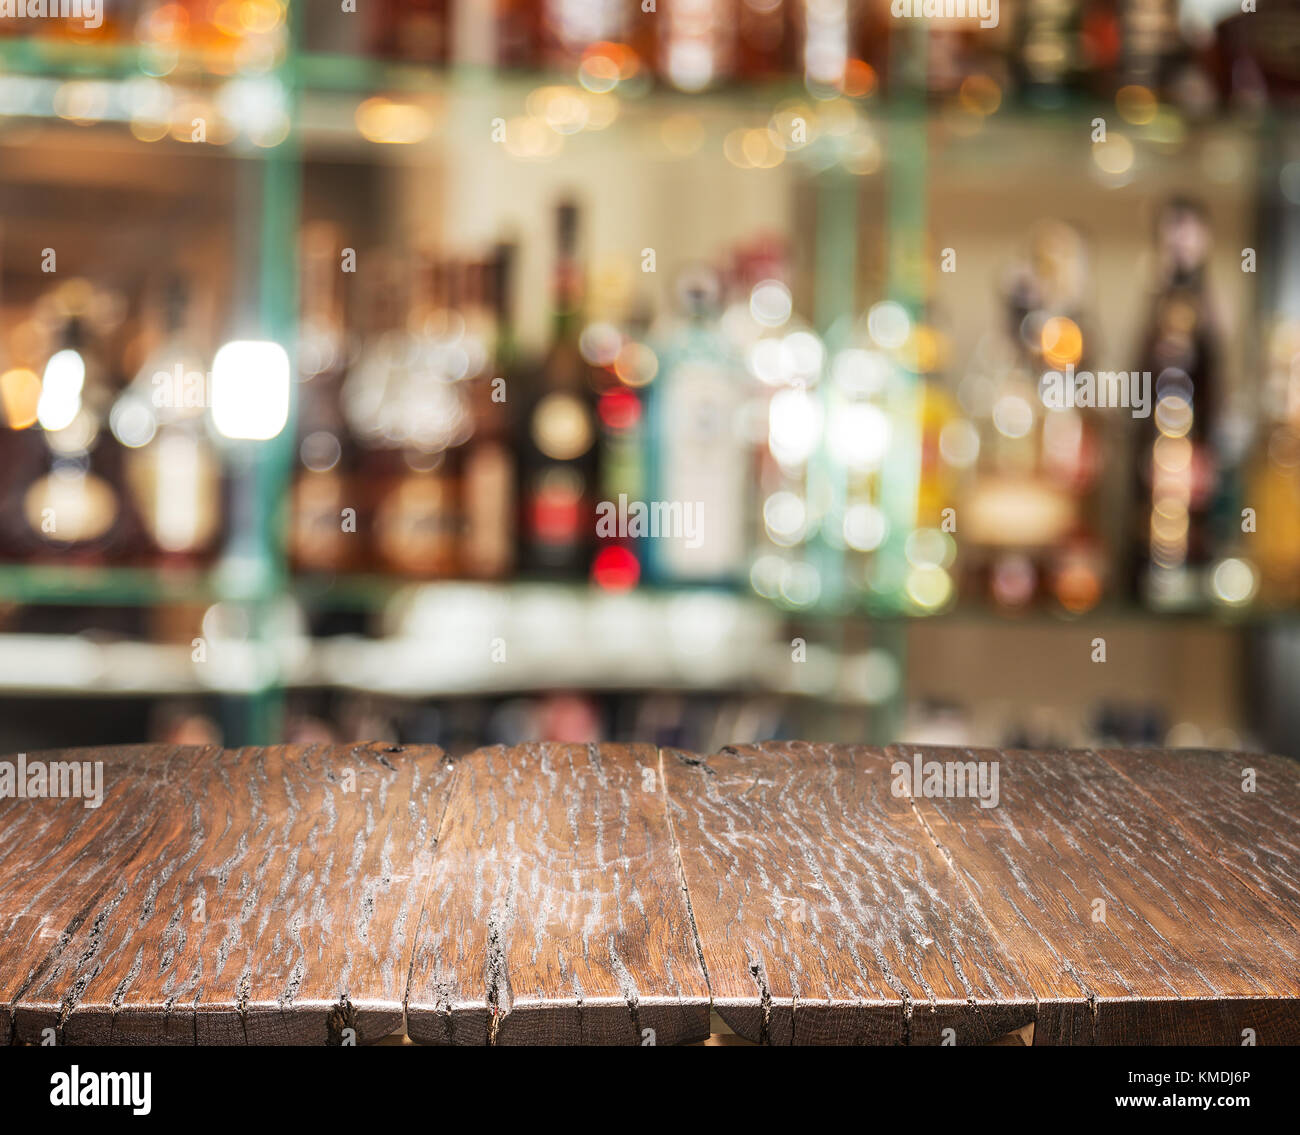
column 59, row 858
column 556, row 913
column 825, row 912
column 1190, row 947
column 616, row 894
column 257, row 896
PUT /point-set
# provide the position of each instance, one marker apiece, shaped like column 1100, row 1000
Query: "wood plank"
column 58, row 858
column 1186, row 952
column 825, row 912
column 310, row 863
column 1242, row 810
column 556, row 913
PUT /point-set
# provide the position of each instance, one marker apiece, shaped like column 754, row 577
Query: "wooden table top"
column 573, row 894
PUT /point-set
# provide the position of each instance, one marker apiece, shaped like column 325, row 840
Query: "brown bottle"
column 487, row 462
column 416, row 519
column 413, row 30
column 172, row 472
column 1177, row 469
column 74, row 508
column 324, row 512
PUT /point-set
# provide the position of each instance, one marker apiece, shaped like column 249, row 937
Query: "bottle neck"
column 567, row 300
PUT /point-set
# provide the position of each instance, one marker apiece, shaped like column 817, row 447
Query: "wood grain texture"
column 58, row 858
column 255, row 896
column 825, row 912
column 556, row 913
column 1196, row 941
column 604, row 894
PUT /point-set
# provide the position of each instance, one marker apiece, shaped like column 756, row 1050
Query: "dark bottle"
column 489, row 515
column 559, row 455
column 75, row 507
column 1046, row 39
column 413, row 30
column 171, row 469
column 415, row 519
column 323, row 533
column 1176, row 467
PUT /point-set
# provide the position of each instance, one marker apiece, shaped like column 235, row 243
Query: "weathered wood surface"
column 59, row 858
column 556, row 913
column 825, row 912
column 924, row 912
column 1185, row 949
column 614, row 893
column 252, row 896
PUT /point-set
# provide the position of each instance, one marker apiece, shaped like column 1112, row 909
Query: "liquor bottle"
column 824, row 36
column 488, row 510
column 1032, row 492
column 560, row 457
column 74, row 509
column 1177, row 467
column 784, row 420
column 171, row 470
column 1100, row 45
column 570, row 27
column 700, row 452
column 518, row 34
column 1046, row 42
column 696, row 43
column 1273, row 474
column 1149, row 39
column 763, row 40
column 325, row 512
column 622, row 365
column 413, row 30
column 415, row 525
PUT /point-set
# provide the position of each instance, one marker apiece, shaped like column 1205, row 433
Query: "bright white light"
column 257, row 106
column 1234, row 582
column 767, row 361
column 1013, row 416
column 859, row 435
column 132, row 421
column 250, row 390
column 889, row 324
column 770, row 303
column 860, row 373
column 865, row 527
column 802, row 355
column 794, row 426
column 785, row 517
column 60, row 400
column 959, row 443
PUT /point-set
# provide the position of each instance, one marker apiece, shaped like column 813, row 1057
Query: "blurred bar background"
column 327, row 338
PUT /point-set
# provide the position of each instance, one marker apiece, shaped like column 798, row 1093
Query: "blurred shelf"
column 42, row 56
column 370, row 591
column 94, row 586
column 74, row 585
column 325, row 81
column 77, row 664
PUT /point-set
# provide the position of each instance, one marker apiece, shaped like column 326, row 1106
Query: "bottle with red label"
column 558, row 447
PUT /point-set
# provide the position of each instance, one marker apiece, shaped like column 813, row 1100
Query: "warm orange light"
column 1062, row 341
column 859, row 79
column 20, row 393
column 1136, row 104
column 980, row 94
column 395, row 123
